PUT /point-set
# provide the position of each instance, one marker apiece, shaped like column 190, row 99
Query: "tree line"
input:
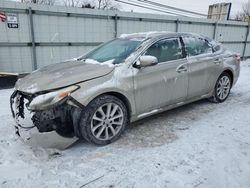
column 93, row 4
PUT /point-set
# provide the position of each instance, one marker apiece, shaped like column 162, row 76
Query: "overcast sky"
column 193, row 5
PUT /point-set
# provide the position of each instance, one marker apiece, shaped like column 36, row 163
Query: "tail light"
column 237, row 57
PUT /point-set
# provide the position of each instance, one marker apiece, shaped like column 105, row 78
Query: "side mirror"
column 146, row 61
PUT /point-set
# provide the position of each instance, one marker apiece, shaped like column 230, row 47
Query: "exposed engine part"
column 57, row 118
column 76, row 114
column 42, row 120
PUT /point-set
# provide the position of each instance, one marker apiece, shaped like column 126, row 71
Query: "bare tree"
column 44, row 2
column 93, row 4
column 245, row 13
column 97, row 4
column 88, row 5
column 72, row 3
column 246, row 8
column 240, row 16
column 107, row 4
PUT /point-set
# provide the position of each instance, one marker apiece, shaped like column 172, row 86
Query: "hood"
column 62, row 75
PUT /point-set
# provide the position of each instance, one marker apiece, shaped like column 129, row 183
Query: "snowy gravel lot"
column 200, row 145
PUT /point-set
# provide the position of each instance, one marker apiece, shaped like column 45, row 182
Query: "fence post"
column 116, row 19
column 215, row 30
column 177, row 25
column 245, row 42
column 33, row 45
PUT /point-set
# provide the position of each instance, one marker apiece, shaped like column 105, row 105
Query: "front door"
column 165, row 83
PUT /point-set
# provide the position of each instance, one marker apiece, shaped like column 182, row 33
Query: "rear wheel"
column 103, row 120
column 222, row 88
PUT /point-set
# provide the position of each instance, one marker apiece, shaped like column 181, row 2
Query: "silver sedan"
column 134, row 76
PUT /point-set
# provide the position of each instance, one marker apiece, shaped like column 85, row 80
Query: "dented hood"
column 61, row 75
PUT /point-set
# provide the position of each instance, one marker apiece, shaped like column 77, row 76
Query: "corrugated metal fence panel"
column 248, row 50
column 55, row 54
column 129, row 22
column 235, row 47
column 231, row 33
column 15, row 59
column 16, row 35
column 207, row 30
column 128, row 26
column 72, row 29
column 57, row 28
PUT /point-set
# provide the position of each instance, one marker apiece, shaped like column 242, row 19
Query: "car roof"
column 157, row 34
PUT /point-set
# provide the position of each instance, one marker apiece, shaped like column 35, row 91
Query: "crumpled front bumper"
column 34, row 138
column 31, row 136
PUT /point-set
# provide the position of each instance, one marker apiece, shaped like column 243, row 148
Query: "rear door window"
column 166, row 50
column 196, row 46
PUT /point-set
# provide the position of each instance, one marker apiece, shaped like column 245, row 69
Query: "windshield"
column 117, row 50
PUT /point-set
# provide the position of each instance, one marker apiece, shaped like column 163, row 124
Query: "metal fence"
column 50, row 34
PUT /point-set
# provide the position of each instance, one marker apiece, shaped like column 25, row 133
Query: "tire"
column 222, row 88
column 96, row 127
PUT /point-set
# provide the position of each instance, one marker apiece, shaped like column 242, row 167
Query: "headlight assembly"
column 48, row 99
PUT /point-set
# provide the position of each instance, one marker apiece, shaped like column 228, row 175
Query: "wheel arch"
column 120, row 96
column 230, row 72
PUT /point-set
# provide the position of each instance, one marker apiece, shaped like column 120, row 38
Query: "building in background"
column 219, row 11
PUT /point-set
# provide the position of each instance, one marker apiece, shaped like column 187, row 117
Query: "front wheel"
column 222, row 88
column 103, row 120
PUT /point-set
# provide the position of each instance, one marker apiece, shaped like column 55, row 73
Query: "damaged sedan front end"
column 71, row 98
column 52, row 111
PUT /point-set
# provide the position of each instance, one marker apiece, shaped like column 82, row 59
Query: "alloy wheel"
column 223, row 87
column 107, row 121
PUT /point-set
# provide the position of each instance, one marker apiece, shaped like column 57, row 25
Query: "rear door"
column 215, row 67
column 164, row 83
column 200, row 61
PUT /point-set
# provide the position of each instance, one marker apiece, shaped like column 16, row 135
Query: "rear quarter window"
column 216, row 46
column 196, row 46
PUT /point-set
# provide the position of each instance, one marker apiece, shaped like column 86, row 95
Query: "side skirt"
column 168, row 107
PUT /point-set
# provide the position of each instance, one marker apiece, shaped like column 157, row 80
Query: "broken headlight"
column 43, row 101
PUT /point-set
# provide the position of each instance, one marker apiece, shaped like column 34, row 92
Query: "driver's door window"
column 166, row 50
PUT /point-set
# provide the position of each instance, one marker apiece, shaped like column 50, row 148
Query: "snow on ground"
column 198, row 145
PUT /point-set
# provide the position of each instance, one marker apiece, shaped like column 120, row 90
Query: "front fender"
column 116, row 83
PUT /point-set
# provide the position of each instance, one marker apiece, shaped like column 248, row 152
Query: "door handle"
column 181, row 69
column 217, row 61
